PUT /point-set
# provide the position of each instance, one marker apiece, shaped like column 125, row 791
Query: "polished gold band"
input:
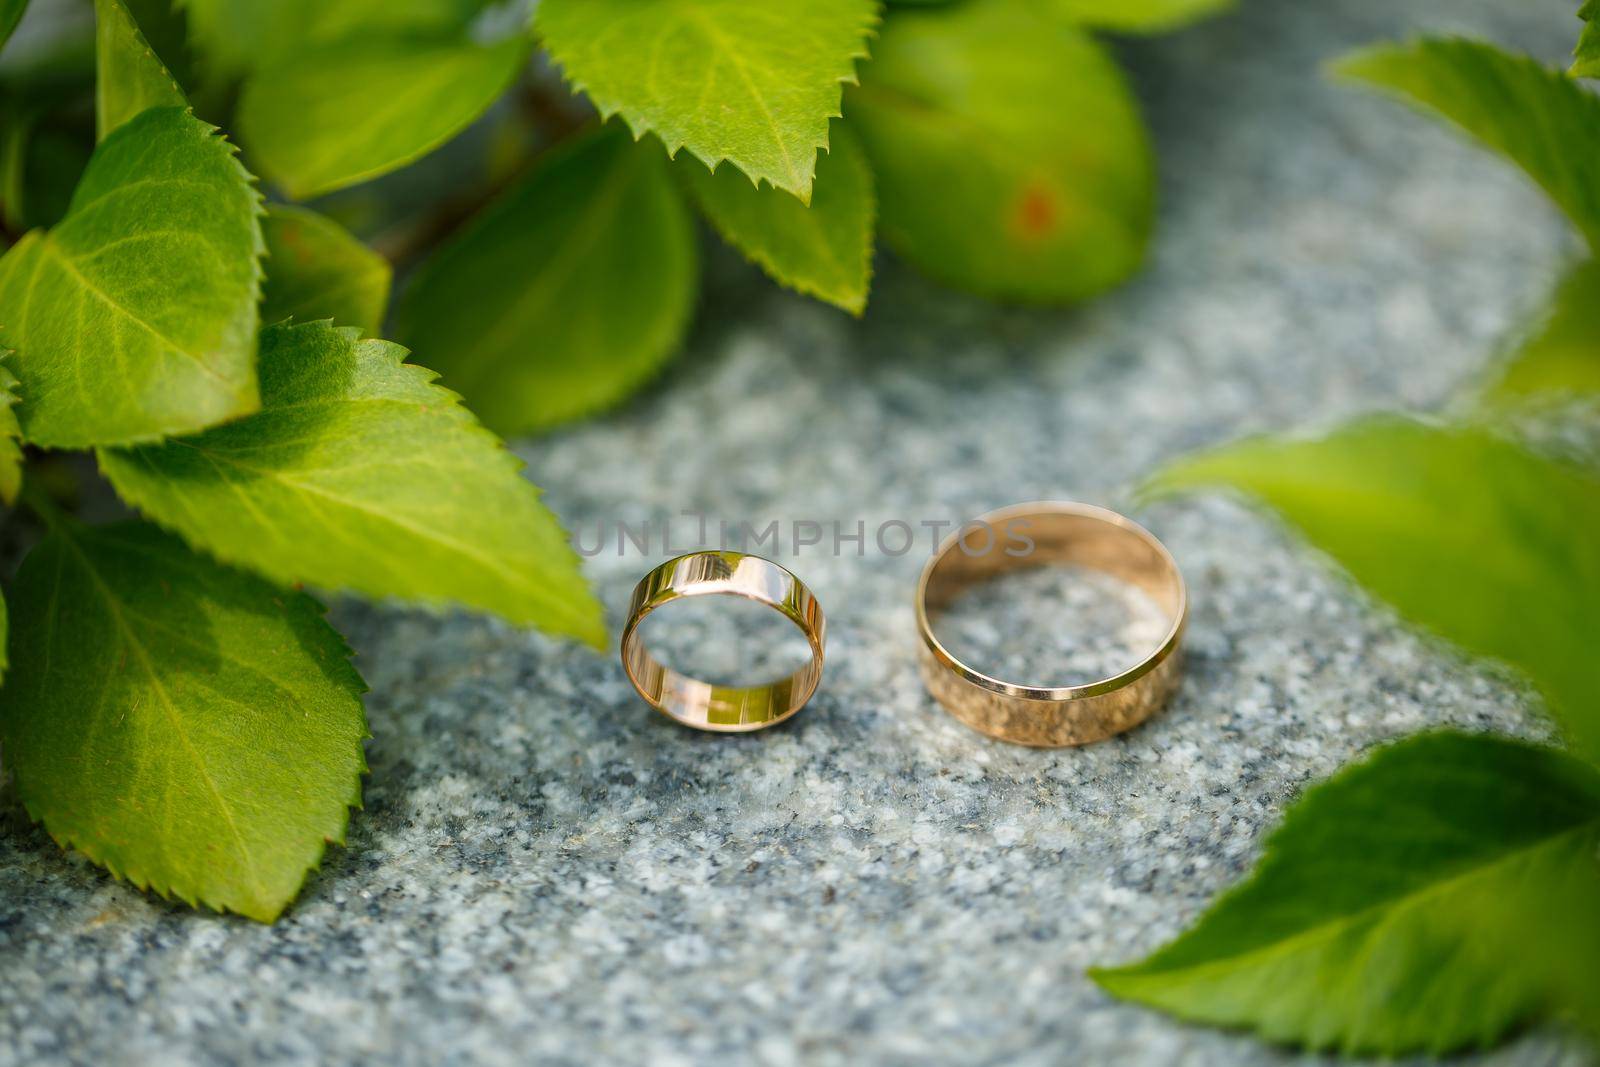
column 724, row 709
column 1061, row 532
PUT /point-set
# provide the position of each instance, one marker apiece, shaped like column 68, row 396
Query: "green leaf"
column 165, row 28
column 1430, row 899
column 191, row 728
column 10, row 14
column 1563, row 356
column 773, row 71
column 565, row 295
column 359, row 473
column 1503, row 561
column 824, row 250
column 135, row 317
column 129, row 76
column 1010, row 157
column 4, row 639
column 325, row 118
column 317, row 270
column 10, row 435
column 1545, row 123
column 1586, row 57
column 244, row 35
column 1140, row 16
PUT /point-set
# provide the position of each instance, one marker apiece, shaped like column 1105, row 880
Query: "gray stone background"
column 548, row 871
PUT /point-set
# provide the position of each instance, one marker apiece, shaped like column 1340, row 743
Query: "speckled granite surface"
column 546, row 871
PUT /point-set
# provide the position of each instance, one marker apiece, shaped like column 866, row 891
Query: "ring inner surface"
column 702, row 703
column 1059, row 538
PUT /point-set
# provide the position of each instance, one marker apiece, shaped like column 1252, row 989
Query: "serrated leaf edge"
column 1109, row 978
column 799, row 185
column 169, row 891
column 856, row 307
column 257, row 275
column 139, row 37
column 588, row 627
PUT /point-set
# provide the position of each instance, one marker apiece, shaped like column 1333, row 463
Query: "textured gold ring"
column 1059, row 532
column 723, row 709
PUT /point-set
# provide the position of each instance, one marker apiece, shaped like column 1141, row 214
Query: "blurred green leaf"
column 130, row 77
column 1563, row 356
column 135, row 317
column 565, row 295
column 328, row 117
column 4, row 638
column 1010, row 157
column 1465, row 533
column 165, row 27
column 317, row 270
column 359, row 473
column 1140, row 16
column 243, row 35
column 10, row 441
column 10, row 14
column 824, row 250
column 1586, row 56
column 774, row 69
column 1430, row 899
column 1490, row 94
column 191, row 728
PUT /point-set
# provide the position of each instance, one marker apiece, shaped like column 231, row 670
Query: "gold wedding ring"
column 723, row 709
column 1060, row 533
